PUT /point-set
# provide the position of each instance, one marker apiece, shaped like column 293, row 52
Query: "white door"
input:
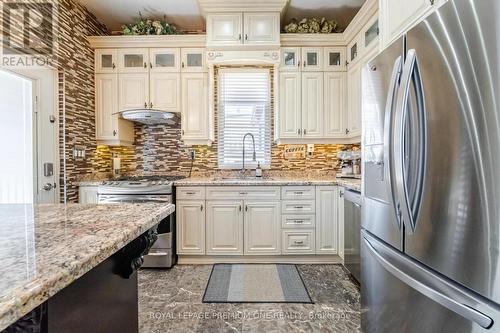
column 29, row 172
column 312, row 104
column 354, row 101
column 106, row 104
column 224, row 29
column 133, row 91
column 224, row 227
column 261, row 28
column 312, row 59
column 334, row 105
column 326, row 220
column 193, row 60
column 164, row 60
column 165, row 91
column 190, row 222
column 262, row 227
column 194, row 121
column 133, row 60
column 290, row 114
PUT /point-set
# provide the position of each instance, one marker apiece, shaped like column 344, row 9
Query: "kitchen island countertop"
column 44, row 248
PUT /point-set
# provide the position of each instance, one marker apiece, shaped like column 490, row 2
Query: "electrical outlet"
column 310, row 150
column 192, row 154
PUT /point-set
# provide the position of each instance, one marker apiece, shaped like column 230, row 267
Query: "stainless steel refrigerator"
column 431, row 152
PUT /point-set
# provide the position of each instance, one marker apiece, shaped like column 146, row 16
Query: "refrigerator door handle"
column 409, row 209
column 413, row 274
column 388, row 132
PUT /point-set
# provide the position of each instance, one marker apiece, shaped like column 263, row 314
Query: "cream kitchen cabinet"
column 133, row 91
column 195, row 117
column 262, row 228
column 354, row 100
column 235, row 29
column 193, row 60
column 87, row 194
column 190, row 221
column 105, row 61
column 110, row 128
column 165, row 91
column 335, row 112
column 164, row 60
column 290, row 59
column 224, row 230
column 290, row 114
column 312, row 105
column 134, row 60
column 334, row 59
column 326, row 220
column 312, row 59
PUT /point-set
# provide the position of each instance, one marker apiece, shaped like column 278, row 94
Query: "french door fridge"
column 431, row 149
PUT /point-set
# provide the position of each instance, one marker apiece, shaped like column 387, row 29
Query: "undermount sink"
column 247, row 178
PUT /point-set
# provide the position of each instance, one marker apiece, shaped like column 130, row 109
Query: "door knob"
column 48, row 186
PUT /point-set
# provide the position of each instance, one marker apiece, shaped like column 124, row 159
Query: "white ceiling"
column 186, row 14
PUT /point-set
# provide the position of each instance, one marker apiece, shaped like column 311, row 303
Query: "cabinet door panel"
column 354, row 101
column 334, row 107
column 190, row 217
column 290, row 59
column 262, row 228
column 194, row 120
column 224, row 227
column 193, row 60
column 326, row 220
column 312, row 59
column 312, row 105
column 261, row 28
column 106, row 104
column 290, row 105
column 133, row 92
column 398, row 16
column 224, row 29
column 133, row 60
column 105, row 61
column 164, row 59
column 334, row 59
column 165, row 91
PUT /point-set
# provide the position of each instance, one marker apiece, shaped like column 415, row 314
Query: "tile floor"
column 171, row 301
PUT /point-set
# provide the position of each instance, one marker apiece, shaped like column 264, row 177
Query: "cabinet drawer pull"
column 243, row 193
column 246, row 208
column 201, row 207
column 298, row 192
column 298, row 207
column 240, row 208
column 298, row 242
column 191, row 193
column 299, row 221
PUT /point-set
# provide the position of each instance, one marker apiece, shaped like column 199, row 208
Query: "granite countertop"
column 354, row 184
column 44, row 248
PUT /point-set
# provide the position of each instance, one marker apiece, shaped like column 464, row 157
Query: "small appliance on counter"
column 350, row 164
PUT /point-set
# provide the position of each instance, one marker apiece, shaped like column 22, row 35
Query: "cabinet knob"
column 145, row 104
column 305, row 132
column 341, row 194
column 201, row 207
column 182, row 64
column 246, row 36
column 239, row 37
column 346, row 131
column 113, row 65
column 114, row 132
column 240, row 208
column 150, row 65
column 182, row 132
column 145, row 65
column 299, row 131
column 150, row 105
column 305, row 63
column 432, row 2
column 246, row 208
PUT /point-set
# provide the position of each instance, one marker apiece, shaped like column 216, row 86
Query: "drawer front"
column 191, row 193
column 297, row 193
column 298, row 242
column 243, row 192
column 300, row 221
column 298, row 207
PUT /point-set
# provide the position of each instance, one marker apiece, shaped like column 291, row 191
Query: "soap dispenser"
column 258, row 170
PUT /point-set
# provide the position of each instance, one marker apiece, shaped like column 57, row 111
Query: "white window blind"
column 244, row 106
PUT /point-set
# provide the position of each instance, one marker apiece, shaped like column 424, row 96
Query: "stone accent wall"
column 74, row 60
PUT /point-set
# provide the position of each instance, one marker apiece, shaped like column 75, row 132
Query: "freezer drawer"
column 400, row 295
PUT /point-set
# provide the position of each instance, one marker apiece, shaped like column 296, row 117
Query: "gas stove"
column 142, row 185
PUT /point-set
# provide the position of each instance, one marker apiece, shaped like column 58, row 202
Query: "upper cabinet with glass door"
column 193, row 60
column 312, row 59
column 371, row 34
column 290, row 59
column 164, row 60
column 133, row 60
column 334, row 59
column 105, row 61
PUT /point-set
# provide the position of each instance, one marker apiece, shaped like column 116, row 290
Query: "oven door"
column 130, row 198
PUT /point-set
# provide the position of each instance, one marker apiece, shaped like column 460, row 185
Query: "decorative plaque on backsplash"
column 295, row 152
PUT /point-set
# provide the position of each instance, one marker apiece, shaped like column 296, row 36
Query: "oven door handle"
column 133, row 199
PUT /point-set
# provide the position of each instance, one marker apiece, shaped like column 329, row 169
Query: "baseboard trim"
column 289, row 259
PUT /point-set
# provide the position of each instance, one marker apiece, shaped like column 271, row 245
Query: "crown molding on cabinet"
column 102, row 42
column 369, row 8
column 336, row 39
column 225, row 6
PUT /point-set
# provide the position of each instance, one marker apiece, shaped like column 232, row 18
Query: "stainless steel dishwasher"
column 352, row 230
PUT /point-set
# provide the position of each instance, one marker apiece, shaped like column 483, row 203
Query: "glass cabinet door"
column 193, row 60
column 353, row 52
column 334, row 59
column 133, row 60
column 290, row 59
column 105, row 61
column 164, row 60
column 312, row 59
column 371, row 34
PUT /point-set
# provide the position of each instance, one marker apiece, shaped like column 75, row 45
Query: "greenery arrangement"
column 149, row 27
column 312, row 26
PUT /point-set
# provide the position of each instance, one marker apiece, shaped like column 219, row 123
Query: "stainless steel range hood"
column 148, row 116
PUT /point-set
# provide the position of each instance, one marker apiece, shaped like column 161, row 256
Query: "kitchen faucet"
column 254, row 154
